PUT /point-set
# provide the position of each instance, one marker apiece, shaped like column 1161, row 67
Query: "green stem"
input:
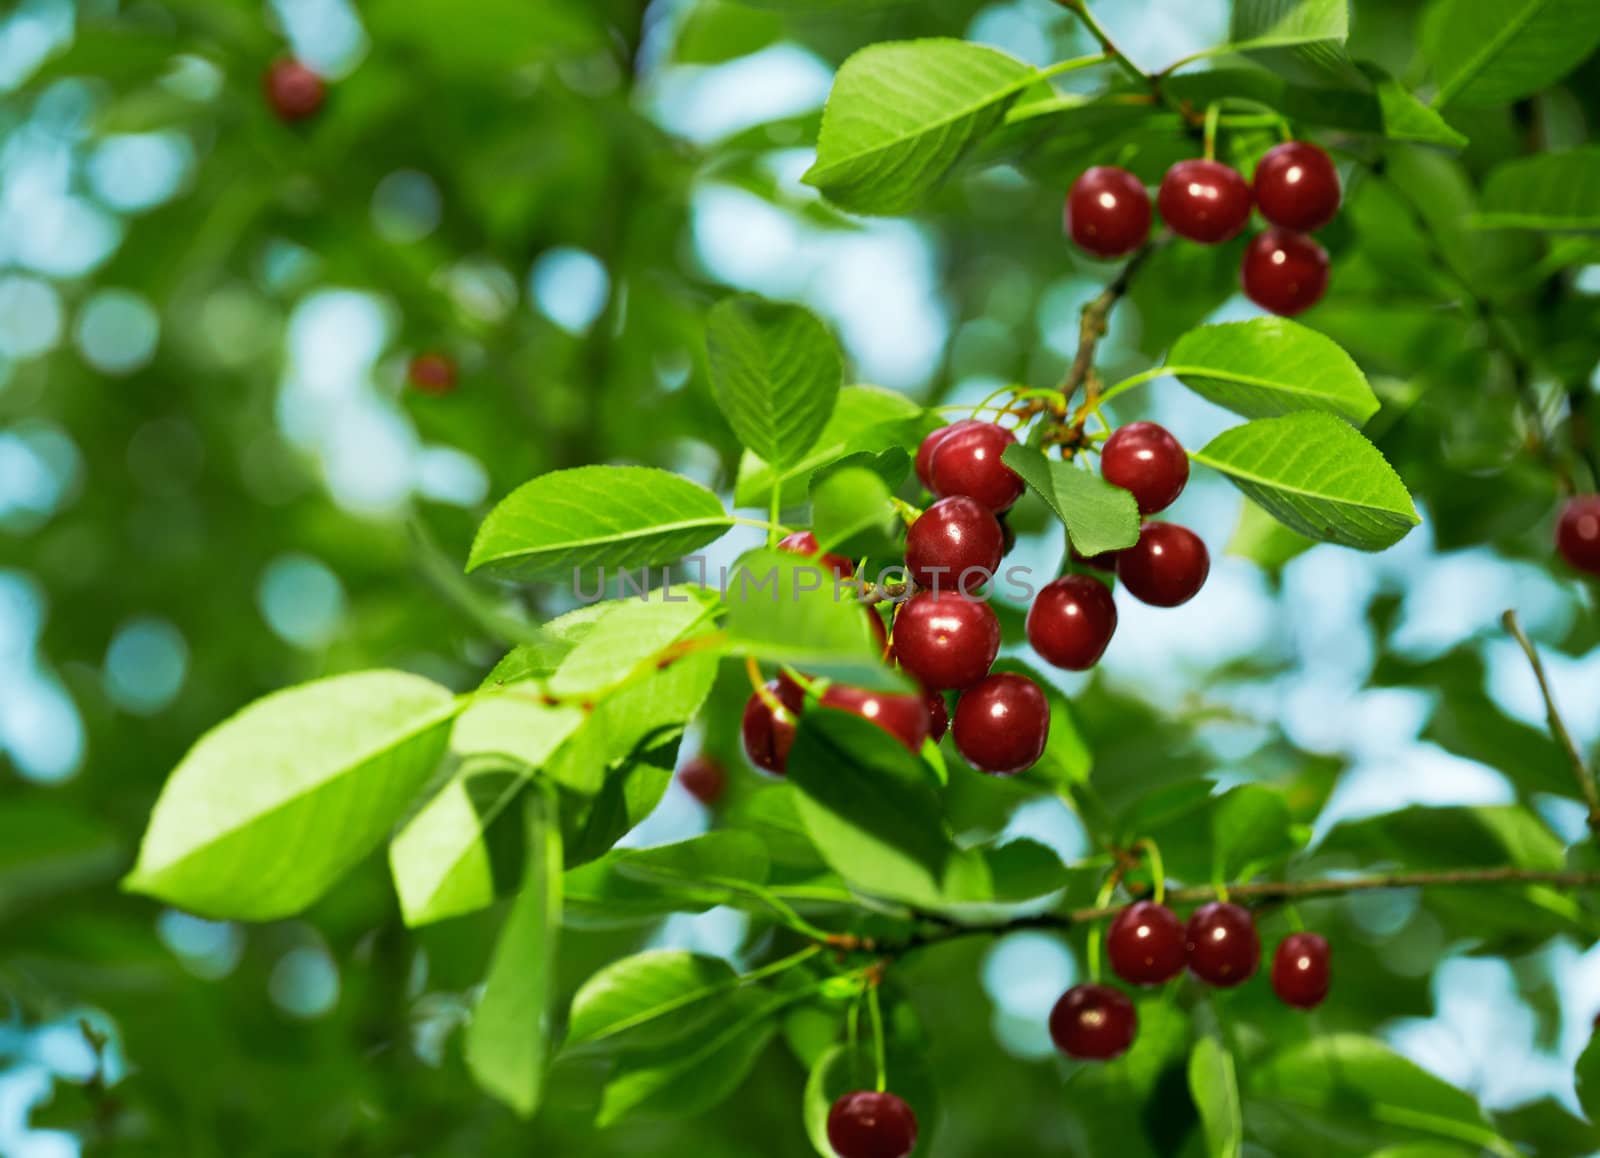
column 1558, row 726
column 780, row 966
column 1081, row 10
column 1075, row 64
column 875, row 1011
column 1213, row 117
column 770, row 526
column 777, row 512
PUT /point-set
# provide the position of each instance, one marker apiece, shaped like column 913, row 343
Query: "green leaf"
column 902, row 114
column 1555, row 192
column 776, row 372
column 1098, row 516
column 1215, row 1088
column 628, row 885
column 1588, row 1078
column 1492, row 52
column 1318, row 476
column 508, row 1041
column 632, row 993
column 626, row 639
column 852, row 512
column 274, row 805
column 1313, row 24
column 1250, row 829
column 1271, row 366
column 1263, row 540
column 572, row 522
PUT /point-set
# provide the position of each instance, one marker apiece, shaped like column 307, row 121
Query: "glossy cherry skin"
column 805, row 543
column 1221, row 944
column 768, row 734
column 1166, row 567
column 938, row 715
column 1300, row 970
column 1145, row 944
column 1093, row 1022
column 868, row 1124
column 903, row 717
column 432, row 374
column 1284, row 272
column 1297, row 186
column 293, row 91
column 930, row 444
column 1144, row 459
column 1204, row 201
column 1108, row 212
column 704, row 779
column 1002, row 724
column 968, row 463
column 1071, row 622
column 1578, row 533
column 946, row 640
column 953, row 537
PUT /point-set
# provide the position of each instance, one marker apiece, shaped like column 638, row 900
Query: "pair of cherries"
column 1296, row 188
column 1148, row 945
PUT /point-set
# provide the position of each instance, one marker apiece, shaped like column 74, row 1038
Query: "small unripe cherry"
column 904, row 717
column 1166, row 567
column 1204, row 201
column 1002, row 724
column 1297, row 186
column 293, row 91
column 703, row 778
column 930, row 444
column 1221, row 944
column 946, row 640
column 768, row 731
column 967, row 462
column 1145, row 944
column 432, row 373
column 955, row 544
column 1093, row 1023
column 1300, row 971
column 869, row 1124
column 1284, row 272
column 1578, row 533
column 1071, row 622
column 1108, row 212
column 1147, row 461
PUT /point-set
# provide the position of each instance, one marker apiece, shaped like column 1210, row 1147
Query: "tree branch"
column 1558, row 726
column 1095, row 321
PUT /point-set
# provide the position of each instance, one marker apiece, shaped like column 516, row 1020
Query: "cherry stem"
column 782, row 965
column 1558, row 726
column 1213, row 117
column 774, row 528
column 753, row 670
column 875, row 1012
column 1158, row 871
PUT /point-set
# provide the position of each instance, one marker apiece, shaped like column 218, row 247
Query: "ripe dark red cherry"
column 805, row 543
column 1093, row 1022
column 1002, row 724
column 1071, row 621
column 1143, row 458
column 1221, row 944
column 1300, row 970
column 768, row 733
column 1297, row 186
column 869, row 1124
column 955, row 537
column 1166, row 567
column 968, row 463
column 1578, row 533
column 1284, row 272
column 704, row 779
column 903, row 717
column 946, row 640
column 1108, row 212
column 933, row 442
column 432, row 374
column 938, row 715
column 1145, row 944
column 293, row 91
column 1204, row 201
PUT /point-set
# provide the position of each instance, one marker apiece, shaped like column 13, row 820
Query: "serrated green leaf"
column 776, row 373
column 1318, row 476
column 1553, row 192
column 571, row 522
column 902, row 114
column 644, row 991
column 852, row 512
column 1098, row 516
column 628, row 636
column 1214, row 1085
column 628, row 885
column 274, row 805
column 1263, row 540
column 1489, row 52
column 1267, row 367
column 1250, row 829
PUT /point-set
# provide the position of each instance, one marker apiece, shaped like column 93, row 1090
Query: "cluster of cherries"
column 1148, row 945
column 1296, row 188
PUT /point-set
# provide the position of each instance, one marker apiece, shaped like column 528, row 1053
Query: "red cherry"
column 1205, row 201
column 704, row 779
column 805, row 543
column 968, row 463
column 955, row 545
column 1093, row 1022
column 932, row 443
column 869, row 1124
column 1002, row 724
column 1578, row 533
column 1221, row 943
column 1143, row 458
column 1145, row 944
column 903, row 717
column 1300, row 970
column 768, row 733
column 1108, row 212
column 1166, row 567
column 938, row 715
column 1071, row 621
column 946, row 640
column 432, row 373
column 1284, row 272
column 1297, row 186
column 293, row 91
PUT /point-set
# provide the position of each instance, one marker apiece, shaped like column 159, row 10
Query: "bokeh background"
column 214, row 481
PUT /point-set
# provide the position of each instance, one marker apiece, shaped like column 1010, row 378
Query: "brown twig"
column 1096, row 319
column 1558, row 726
column 1080, row 9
